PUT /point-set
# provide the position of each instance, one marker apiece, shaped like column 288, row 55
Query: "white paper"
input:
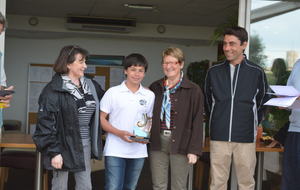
column 35, row 91
column 287, row 97
column 100, row 80
column 285, row 90
column 116, row 76
column 281, row 102
column 91, row 69
column 40, row 74
column 32, row 128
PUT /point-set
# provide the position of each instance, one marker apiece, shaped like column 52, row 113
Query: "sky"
column 279, row 34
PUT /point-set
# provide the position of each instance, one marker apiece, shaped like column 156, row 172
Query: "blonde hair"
column 174, row 52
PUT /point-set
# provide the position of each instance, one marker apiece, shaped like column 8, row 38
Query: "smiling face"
column 233, row 49
column 76, row 69
column 171, row 67
column 135, row 75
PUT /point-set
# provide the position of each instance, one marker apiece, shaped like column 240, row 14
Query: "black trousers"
column 291, row 162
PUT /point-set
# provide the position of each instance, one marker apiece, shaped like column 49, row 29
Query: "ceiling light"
column 140, row 6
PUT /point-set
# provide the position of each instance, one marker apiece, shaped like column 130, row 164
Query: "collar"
column 124, row 88
column 242, row 62
column 57, row 83
column 186, row 83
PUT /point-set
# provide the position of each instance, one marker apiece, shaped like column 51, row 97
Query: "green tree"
column 256, row 51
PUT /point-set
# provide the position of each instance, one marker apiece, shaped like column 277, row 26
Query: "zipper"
column 232, row 99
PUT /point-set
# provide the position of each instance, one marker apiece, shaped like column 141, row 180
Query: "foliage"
column 218, row 32
column 196, row 72
column 256, row 51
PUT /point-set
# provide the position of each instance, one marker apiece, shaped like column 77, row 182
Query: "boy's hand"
column 124, row 135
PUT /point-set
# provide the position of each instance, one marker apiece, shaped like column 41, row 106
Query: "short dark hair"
column 238, row 32
column 3, row 21
column 135, row 59
column 66, row 57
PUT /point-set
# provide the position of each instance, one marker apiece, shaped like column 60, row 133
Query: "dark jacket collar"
column 242, row 62
column 57, row 83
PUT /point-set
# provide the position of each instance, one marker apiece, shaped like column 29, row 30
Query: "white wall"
column 21, row 52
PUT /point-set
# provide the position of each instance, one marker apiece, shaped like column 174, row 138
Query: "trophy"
column 141, row 129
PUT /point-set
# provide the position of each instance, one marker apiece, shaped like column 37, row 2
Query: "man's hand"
column 192, row 158
column 6, row 99
column 57, row 161
column 273, row 144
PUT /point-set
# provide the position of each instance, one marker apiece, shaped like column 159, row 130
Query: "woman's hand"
column 57, row 161
column 192, row 158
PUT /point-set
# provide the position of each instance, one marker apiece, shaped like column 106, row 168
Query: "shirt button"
column 173, row 140
column 175, row 99
column 175, row 112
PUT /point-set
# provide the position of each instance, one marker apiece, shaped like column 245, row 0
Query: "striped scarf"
column 166, row 104
column 82, row 100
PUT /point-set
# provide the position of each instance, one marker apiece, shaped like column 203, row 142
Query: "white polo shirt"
column 123, row 106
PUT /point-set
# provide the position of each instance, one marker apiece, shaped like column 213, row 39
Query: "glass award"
column 141, row 129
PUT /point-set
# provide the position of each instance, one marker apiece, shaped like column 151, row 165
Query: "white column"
column 244, row 17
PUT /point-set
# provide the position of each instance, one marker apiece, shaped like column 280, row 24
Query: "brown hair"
column 66, row 57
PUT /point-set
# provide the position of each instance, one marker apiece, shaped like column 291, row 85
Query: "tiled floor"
column 20, row 179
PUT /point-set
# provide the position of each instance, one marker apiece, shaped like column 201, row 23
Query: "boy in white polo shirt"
column 124, row 158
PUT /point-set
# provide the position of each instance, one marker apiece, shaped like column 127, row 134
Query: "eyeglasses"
column 170, row 63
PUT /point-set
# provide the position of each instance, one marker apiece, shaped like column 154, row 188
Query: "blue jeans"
column 122, row 173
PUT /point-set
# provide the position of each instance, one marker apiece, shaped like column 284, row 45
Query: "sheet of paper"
column 285, row 90
column 100, row 80
column 91, row 69
column 40, row 74
column 35, row 91
column 116, row 76
column 281, row 102
column 32, row 128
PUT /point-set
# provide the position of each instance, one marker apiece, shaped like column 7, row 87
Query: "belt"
column 166, row 133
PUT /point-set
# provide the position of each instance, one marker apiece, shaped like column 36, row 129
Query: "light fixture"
column 140, row 6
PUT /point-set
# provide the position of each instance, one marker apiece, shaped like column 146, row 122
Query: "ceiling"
column 176, row 12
